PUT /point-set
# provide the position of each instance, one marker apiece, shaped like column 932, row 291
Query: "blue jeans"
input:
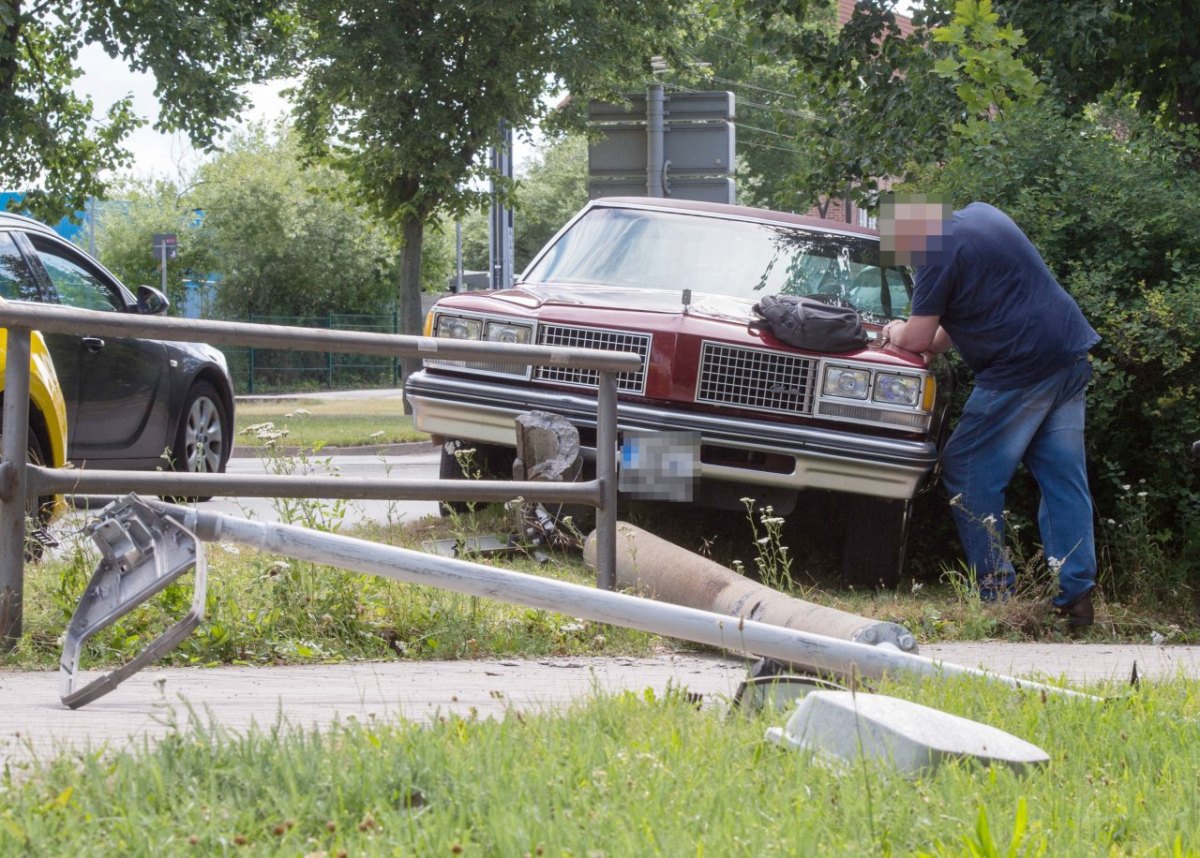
column 1042, row 426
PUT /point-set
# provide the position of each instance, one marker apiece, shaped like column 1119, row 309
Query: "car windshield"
column 640, row 249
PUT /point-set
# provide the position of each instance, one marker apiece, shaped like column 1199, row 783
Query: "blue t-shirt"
column 1009, row 318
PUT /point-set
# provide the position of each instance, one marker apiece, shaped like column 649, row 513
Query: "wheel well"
column 37, row 426
column 221, row 383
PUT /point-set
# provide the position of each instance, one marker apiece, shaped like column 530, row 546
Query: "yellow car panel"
column 46, row 403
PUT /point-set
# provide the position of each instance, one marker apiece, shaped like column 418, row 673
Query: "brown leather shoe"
column 1079, row 613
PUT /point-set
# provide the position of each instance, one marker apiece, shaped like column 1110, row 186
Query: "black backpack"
column 812, row 325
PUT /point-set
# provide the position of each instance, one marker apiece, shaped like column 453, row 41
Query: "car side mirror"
column 151, row 302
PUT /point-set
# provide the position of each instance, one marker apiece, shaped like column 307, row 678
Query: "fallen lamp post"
column 145, row 545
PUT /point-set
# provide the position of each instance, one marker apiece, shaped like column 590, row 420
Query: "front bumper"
column 484, row 410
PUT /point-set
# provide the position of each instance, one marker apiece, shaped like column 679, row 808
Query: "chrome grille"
column 756, row 378
column 593, row 338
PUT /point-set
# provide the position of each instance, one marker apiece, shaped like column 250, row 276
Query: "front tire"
column 37, row 509
column 203, row 441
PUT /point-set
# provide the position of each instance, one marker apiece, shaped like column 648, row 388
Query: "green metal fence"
column 258, row 370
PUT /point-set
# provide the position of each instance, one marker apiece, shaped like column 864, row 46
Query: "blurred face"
column 911, row 227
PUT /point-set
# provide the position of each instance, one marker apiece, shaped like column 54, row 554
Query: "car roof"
column 10, row 219
column 726, row 210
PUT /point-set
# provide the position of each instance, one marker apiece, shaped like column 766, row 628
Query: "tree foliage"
column 1087, row 48
column 996, row 101
column 405, row 97
column 280, row 238
column 200, row 52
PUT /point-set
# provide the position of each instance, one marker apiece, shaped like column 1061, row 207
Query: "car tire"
column 37, row 510
column 875, row 541
column 203, row 440
column 488, row 462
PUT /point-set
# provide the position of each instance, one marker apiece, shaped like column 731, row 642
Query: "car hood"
column 535, row 296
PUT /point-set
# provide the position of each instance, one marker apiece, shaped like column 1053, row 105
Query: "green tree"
column 287, row 239
column 281, row 238
column 125, row 229
column 200, row 52
column 1087, row 48
column 839, row 106
column 406, row 97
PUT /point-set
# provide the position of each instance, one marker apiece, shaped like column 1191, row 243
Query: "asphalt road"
column 400, row 462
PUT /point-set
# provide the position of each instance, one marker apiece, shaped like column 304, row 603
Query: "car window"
column 16, row 280
column 76, row 283
column 738, row 259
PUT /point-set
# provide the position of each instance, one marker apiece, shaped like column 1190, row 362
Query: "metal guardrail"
column 19, row 479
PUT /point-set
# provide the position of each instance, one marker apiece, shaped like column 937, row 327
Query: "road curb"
column 412, row 448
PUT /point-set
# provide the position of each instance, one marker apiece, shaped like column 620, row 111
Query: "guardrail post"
column 13, row 480
column 606, row 475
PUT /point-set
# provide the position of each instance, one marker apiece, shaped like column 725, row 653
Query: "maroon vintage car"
column 676, row 282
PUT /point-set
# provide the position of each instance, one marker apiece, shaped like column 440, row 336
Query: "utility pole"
column 500, row 253
column 654, row 140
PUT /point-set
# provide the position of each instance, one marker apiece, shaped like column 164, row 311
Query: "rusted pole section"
column 664, row 571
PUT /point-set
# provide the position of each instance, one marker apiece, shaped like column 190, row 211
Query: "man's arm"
column 918, row 334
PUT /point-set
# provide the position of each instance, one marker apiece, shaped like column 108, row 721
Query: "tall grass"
column 632, row 774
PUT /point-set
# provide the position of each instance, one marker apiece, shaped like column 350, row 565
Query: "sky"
column 171, row 155
column 155, row 154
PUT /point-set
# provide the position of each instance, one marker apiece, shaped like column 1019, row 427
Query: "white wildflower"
column 1054, row 563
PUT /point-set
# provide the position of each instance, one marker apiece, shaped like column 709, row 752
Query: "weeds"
column 1135, row 561
column 315, row 513
column 773, row 560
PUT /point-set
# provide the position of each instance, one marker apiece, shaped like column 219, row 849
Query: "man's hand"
column 918, row 334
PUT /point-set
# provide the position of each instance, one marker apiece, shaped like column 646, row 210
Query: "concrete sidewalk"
column 33, row 721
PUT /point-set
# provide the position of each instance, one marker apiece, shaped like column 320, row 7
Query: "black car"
column 133, row 404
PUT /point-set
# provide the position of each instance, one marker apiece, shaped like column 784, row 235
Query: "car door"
column 116, row 388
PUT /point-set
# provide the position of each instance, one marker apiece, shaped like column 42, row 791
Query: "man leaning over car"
column 983, row 288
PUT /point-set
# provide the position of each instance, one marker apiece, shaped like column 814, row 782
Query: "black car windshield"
column 639, row 249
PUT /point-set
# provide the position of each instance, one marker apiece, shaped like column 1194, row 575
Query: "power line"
column 745, row 85
column 742, row 102
column 752, row 145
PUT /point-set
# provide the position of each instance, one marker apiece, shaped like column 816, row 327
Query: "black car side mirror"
column 151, row 302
